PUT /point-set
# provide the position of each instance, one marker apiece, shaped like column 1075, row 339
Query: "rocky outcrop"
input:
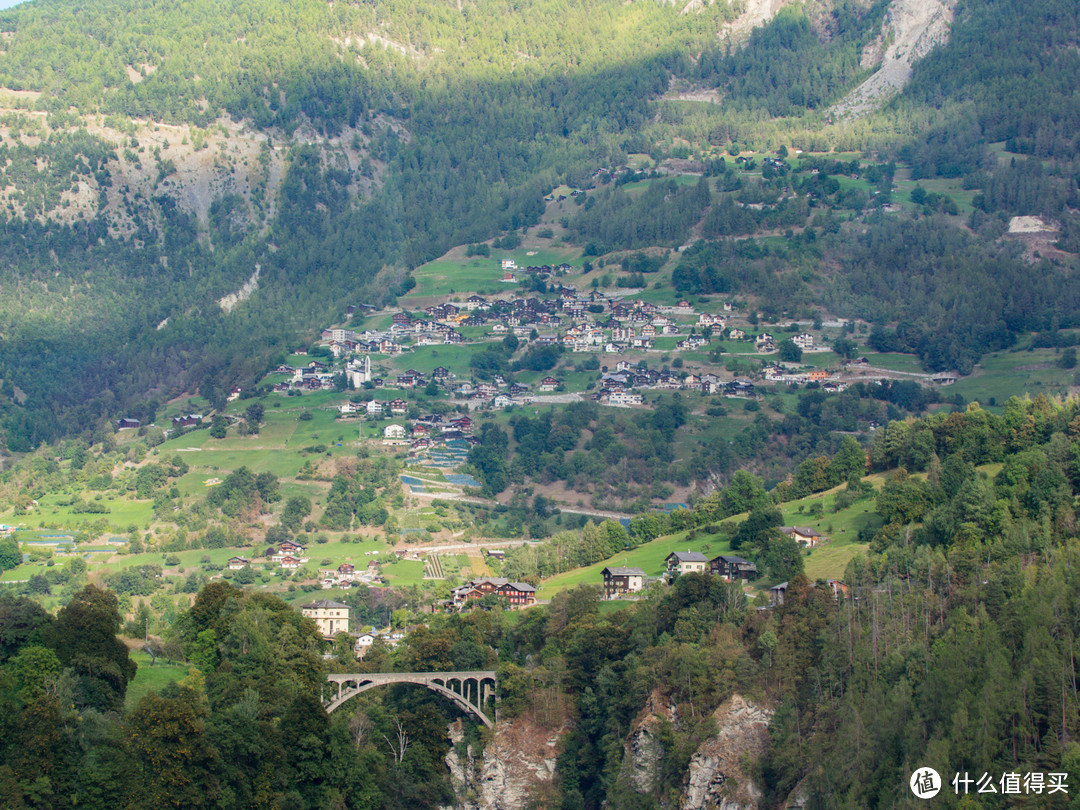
column 717, row 778
column 229, row 302
column 755, row 13
column 516, row 767
column 799, row 798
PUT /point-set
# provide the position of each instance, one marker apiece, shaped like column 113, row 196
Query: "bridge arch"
column 468, row 690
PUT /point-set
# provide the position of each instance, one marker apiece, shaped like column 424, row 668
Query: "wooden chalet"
column 622, row 581
column 733, row 568
column 519, row 594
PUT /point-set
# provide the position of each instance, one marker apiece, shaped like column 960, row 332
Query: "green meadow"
column 894, row 361
column 456, row 274
column 649, row 557
column 426, row 359
column 681, row 179
column 152, row 676
column 1014, row 373
column 480, row 274
column 402, row 573
column 122, row 512
column 829, row 360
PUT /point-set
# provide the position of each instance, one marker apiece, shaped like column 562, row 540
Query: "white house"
column 394, row 432
column 686, row 562
column 804, row 535
column 624, row 398
column 363, row 644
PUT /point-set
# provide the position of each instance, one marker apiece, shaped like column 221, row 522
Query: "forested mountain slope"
column 428, row 127
column 155, row 157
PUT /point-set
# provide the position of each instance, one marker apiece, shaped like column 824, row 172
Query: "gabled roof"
column 624, row 572
column 688, row 556
column 520, row 586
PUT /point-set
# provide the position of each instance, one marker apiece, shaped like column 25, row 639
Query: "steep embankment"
column 754, row 13
column 144, row 162
column 911, row 29
column 718, row 775
column 515, row 769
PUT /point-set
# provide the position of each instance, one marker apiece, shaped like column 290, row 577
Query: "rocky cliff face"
column 643, row 751
column 717, row 777
column 912, row 28
column 516, row 768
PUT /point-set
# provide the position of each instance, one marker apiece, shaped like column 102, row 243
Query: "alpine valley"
column 544, row 404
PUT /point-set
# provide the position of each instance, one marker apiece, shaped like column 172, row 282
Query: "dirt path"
column 455, row 548
column 888, row 372
column 573, row 510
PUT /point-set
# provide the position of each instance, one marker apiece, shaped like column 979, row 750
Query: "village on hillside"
column 626, row 346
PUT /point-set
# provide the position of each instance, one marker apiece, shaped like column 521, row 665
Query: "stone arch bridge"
column 469, row 690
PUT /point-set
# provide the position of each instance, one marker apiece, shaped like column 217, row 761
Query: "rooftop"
column 625, row 572
column 323, row 604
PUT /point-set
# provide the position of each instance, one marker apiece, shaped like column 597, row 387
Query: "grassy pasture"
column 456, row 273
column 426, row 359
column 639, row 186
column 122, row 512
column 894, row 361
column 1006, row 374
column 649, row 557
column 152, row 678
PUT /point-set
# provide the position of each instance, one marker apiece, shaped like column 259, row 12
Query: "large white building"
column 359, row 371
column 330, row 617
